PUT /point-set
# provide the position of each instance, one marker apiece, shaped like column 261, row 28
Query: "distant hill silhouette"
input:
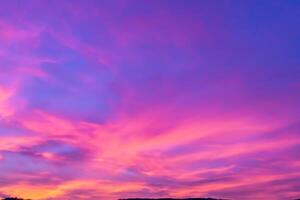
column 171, row 199
column 14, row 198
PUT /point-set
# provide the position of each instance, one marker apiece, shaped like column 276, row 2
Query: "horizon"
column 138, row 98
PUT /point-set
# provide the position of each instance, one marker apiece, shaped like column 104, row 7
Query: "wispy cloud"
column 155, row 99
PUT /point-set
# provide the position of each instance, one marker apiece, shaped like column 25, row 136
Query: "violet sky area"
column 108, row 99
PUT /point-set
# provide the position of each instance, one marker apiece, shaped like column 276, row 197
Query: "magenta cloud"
column 121, row 99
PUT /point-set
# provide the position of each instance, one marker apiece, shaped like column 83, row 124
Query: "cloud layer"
column 104, row 100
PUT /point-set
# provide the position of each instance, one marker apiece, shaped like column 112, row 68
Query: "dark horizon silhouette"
column 205, row 198
column 172, row 199
column 14, row 198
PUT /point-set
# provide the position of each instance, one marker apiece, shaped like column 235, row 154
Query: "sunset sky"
column 150, row 98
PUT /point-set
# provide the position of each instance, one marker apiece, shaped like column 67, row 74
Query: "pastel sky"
column 161, row 98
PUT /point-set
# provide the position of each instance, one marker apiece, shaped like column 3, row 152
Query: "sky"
column 149, row 98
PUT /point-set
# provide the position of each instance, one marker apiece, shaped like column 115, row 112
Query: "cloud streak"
column 127, row 99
